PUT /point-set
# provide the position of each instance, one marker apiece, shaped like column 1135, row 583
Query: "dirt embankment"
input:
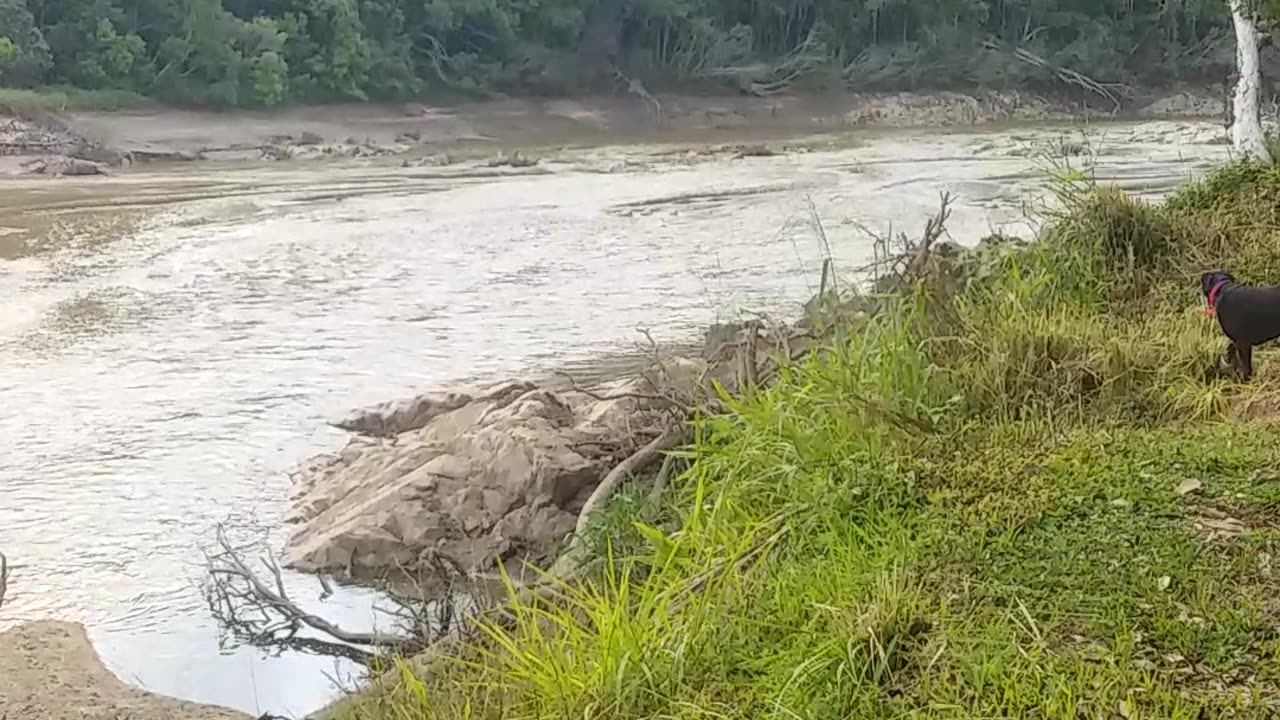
column 89, row 143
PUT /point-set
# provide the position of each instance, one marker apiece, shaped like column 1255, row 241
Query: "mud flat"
column 91, row 143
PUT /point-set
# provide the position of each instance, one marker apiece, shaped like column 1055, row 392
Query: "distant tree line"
column 267, row 52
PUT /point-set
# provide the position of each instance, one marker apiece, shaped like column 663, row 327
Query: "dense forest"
column 266, row 52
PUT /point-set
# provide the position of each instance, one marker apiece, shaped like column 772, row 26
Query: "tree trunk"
column 1246, row 126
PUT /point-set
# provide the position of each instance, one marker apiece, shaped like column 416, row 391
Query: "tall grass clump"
column 1021, row 492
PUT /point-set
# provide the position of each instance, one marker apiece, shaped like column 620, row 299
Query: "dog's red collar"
column 1213, row 295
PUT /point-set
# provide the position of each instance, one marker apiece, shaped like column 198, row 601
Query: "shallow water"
column 174, row 344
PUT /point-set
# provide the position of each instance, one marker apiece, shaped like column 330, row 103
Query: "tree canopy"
column 266, row 52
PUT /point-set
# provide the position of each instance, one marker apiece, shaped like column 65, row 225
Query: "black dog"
column 1248, row 316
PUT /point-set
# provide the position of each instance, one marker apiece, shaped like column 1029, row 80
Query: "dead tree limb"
column 4, row 577
column 664, row 476
column 571, row 560
column 265, row 616
column 637, row 88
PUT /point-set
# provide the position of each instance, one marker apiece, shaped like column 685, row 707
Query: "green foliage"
column 8, row 51
column 1022, row 492
column 269, row 78
column 55, row 99
column 109, row 59
column 213, row 51
column 24, row 54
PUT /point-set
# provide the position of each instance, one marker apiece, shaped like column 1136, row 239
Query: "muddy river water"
column 173, row 342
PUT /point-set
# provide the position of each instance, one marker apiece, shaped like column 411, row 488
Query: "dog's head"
column 1214, row 278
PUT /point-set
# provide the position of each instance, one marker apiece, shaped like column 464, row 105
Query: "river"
column 174, row 341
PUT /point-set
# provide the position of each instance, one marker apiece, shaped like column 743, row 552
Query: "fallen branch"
column 570, row 562
column 637, row 88
column 275, row 620
column 697, row 582
column 664, row 476
column 4, row 577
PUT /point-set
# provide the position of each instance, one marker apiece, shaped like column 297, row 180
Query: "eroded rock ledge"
column 50, row 671
column 477, row 477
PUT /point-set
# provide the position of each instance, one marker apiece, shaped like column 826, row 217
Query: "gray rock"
column 163, row 155
column 480, row 477
column 100, row 154
column 60, row 165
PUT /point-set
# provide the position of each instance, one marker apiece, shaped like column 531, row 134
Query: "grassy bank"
column 60, row 99
column 1023, row 489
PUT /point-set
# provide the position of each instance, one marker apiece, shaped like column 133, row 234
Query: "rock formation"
column 59, row 165
column 477, row 477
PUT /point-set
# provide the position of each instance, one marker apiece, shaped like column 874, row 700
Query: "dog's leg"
column 1246, row 361
column 1232, row 357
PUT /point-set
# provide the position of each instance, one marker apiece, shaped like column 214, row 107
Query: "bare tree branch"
column 266, row 616
column 4, row 577
column 664, row 476
column 570, row 561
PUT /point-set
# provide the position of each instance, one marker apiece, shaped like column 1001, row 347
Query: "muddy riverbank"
column 177, row 341
column 93, row 143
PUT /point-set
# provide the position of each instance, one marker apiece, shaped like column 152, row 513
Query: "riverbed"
column 175, row 340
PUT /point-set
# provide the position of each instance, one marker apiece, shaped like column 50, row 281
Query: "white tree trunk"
column 1246, row 126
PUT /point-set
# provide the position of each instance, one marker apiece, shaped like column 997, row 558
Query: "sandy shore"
column 49, row 670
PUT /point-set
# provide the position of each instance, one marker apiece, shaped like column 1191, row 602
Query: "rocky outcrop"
column 21, row 137
column 945, row 109
column 312, row 148
column 49, row 670
column 476, row 476
column 60, row 165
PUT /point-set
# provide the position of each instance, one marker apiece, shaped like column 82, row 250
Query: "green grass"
column 1023, row 490
column 60, row 99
